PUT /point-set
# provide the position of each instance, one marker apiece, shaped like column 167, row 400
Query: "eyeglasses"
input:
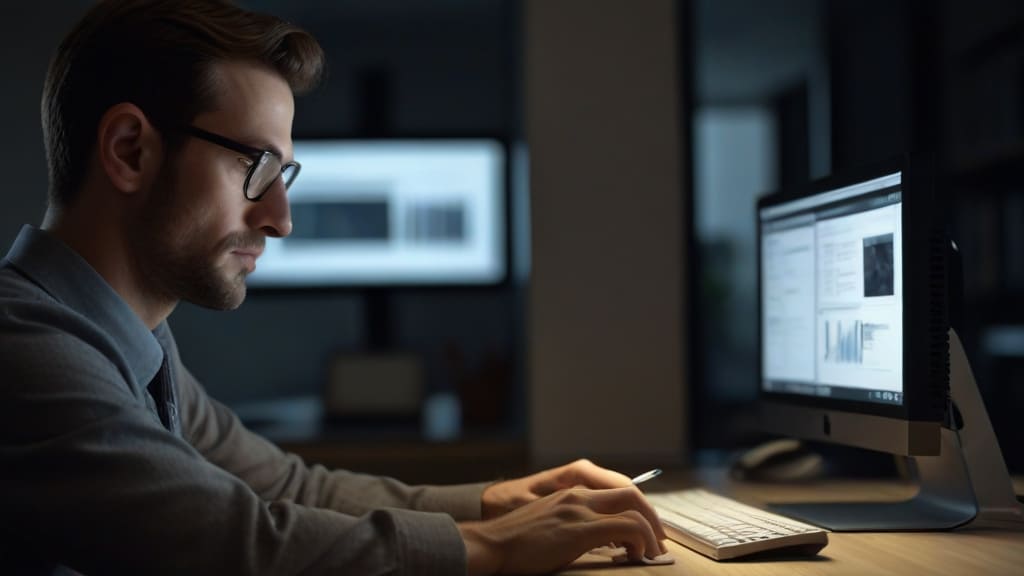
column 265, row 167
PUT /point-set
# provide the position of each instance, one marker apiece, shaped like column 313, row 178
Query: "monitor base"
column 967, row 484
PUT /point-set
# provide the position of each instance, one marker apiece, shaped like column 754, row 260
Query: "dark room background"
column 781, row 91
column 796, row 89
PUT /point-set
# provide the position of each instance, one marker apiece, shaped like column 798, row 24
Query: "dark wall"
column 25, row 48
column 871, row 63
column 441, row 67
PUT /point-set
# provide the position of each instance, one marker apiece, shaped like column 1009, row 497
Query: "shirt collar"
column 69, row 279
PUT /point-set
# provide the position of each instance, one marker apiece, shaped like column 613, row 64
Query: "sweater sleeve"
column 216, row 432
column 92, row 480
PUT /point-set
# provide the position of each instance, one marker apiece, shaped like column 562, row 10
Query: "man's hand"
column 551, row 531
column 506, row 496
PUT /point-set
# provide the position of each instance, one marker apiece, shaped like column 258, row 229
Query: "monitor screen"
column 853, row 323
column 857, row 277
column 832, row 293
column 392, row 213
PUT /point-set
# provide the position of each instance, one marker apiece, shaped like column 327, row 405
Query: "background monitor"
column 392, row 213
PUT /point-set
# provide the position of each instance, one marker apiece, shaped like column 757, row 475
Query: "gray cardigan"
column 92, row 481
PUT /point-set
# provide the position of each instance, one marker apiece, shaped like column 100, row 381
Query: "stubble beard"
column 175, row 259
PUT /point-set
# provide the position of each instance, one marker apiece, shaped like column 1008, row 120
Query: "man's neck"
column 103, row 245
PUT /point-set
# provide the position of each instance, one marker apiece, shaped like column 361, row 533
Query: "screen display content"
column 831, row 293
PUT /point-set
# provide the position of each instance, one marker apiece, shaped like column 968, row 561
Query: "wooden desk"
column 959, row 553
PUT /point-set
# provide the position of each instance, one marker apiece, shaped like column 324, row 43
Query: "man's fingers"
column 578, row 473
column 586, row 473
column 628, row 529
column 620, row 500
column 558, row 528
column 652, row 546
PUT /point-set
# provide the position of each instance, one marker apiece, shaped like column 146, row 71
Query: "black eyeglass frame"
column 257, row 156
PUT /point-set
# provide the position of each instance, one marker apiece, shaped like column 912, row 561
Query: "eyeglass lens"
column 266, row 172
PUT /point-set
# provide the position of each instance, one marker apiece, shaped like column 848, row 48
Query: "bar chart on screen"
column 844, row 344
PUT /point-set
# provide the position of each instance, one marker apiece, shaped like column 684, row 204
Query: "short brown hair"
column 158, row 55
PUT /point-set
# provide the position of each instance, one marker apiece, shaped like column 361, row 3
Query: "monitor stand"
column 967, row 484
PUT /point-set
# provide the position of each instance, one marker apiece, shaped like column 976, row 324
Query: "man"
column 167, row 127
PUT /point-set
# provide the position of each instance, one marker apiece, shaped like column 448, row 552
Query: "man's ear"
column 129, row 148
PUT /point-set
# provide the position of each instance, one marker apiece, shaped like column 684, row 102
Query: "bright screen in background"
column 392, row 212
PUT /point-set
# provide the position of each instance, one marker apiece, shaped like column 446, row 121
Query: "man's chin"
column 236, row 295
column 224, row 295
column 235, row 303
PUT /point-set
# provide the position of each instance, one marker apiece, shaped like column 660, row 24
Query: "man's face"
column 199, row 237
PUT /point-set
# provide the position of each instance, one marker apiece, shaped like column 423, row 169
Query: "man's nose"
column 271, row 213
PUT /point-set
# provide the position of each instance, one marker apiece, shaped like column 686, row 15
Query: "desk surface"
column 958, row 553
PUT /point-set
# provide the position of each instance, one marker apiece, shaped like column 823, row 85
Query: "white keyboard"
column 722, row 528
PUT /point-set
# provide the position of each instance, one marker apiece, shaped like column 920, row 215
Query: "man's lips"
column 248, row 256
column 253, row 252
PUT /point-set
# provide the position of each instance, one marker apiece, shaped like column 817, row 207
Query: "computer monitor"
column 392, row 213
column 855, row 341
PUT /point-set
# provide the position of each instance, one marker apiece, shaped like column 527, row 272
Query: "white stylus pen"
column 646, row 476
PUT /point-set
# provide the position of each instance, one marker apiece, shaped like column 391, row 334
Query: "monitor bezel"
column 925, row 325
